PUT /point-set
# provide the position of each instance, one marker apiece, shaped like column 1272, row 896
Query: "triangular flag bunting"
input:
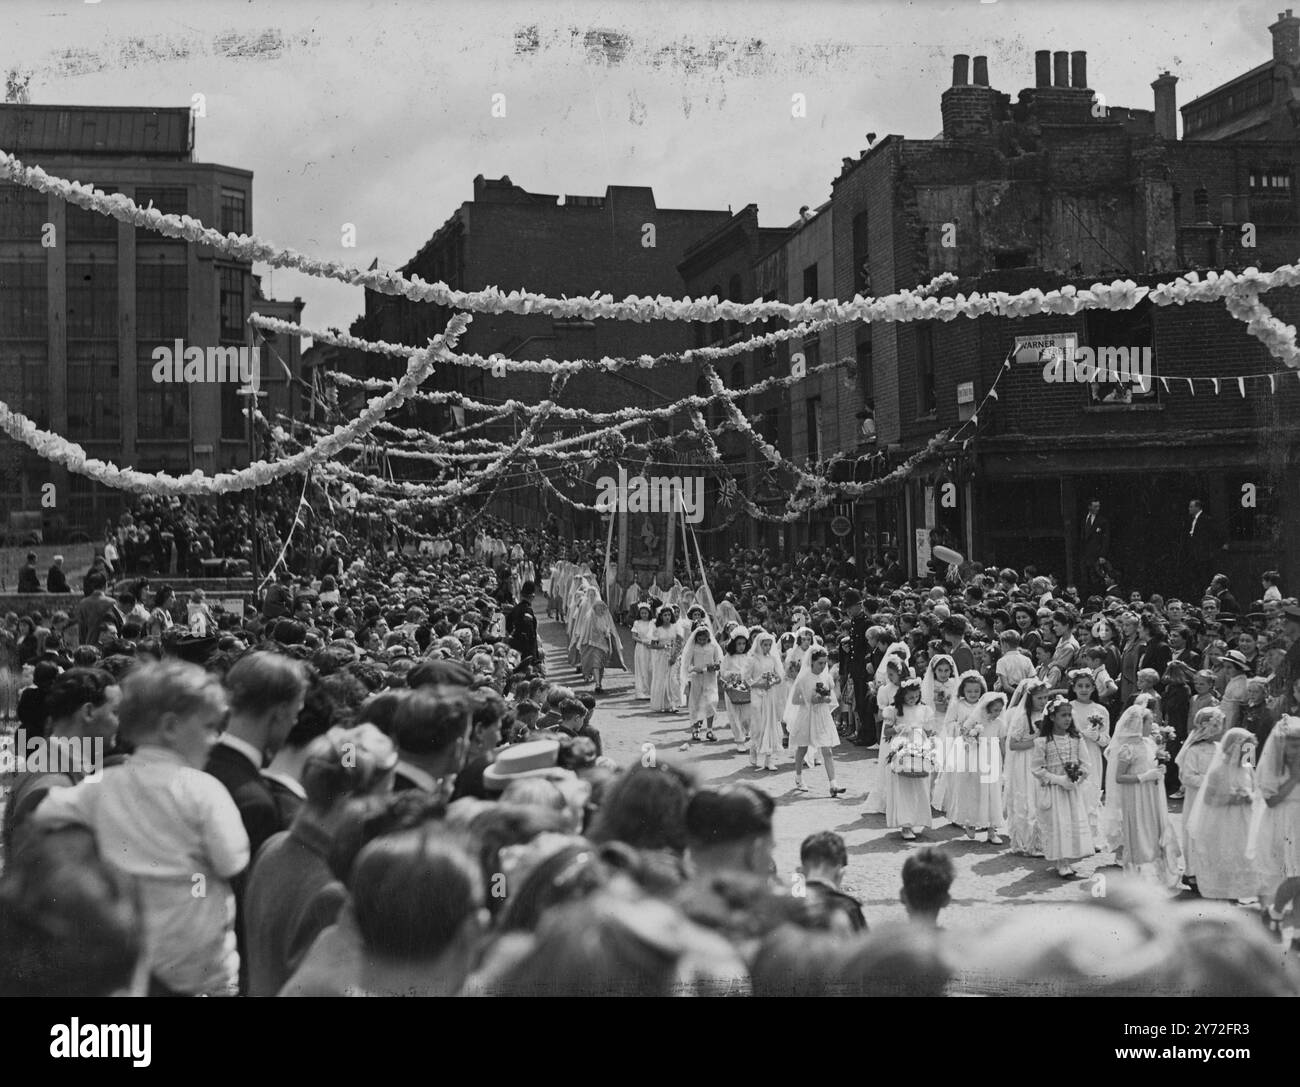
column 1164, row 383
column 1241, row 384
column 1272, row 383
column 1216, row 385
column 993, row 393
column 975, row 418
column 1190, row 387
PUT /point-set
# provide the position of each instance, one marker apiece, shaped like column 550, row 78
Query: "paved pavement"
column 991, row 882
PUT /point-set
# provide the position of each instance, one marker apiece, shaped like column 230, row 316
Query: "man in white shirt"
column 1013, row 666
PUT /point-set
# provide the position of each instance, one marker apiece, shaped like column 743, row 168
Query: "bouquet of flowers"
column 911, row 755
column 1164, row 735
column 770, row 678
column 1075, row 771
column 1096, row 720
column 821, row 692
column 971, row 729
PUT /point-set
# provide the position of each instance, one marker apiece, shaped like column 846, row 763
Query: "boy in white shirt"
column 1013, row 666
column 1272, row 586
column 168, row 826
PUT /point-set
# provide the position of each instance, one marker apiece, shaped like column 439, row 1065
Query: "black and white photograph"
column 650, row 499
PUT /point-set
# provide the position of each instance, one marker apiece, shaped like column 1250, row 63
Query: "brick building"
column 84, row 301
column 620, row 243
column 1060, row 188
column 736, row 262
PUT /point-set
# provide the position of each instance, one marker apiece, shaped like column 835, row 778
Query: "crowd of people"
column 369, row 783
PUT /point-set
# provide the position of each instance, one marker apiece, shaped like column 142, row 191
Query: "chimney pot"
column 960, row 69
column 1166, row 111
column 1043, row 68
column 1061, row 65
column 981, row 76
column 1286, row 39
column 1078, row 68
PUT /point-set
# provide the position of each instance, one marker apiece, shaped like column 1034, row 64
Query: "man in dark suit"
column 858, row 667
column 521, row 627
column 1201, row 545
column 432, row 730
column 29, row 581
column 1094, row 545
column 266, row 693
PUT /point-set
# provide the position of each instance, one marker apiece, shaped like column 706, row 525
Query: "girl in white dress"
column 642, row 658
column 804, row 640
column 735, row 686
column 1193, row 761
column 1219, row 823
column 701, row 662
column 812, row 724
column 665, row 689
column 1092, row 719
column 1021, row 789
column 909, row 737
column 1060, row 764
column 939, row 687
column 1136, row 816
column 893, row 671
column 767, row 701
column 1275, row 830
column 975, row 796
column 789, row 670
column 970, row 689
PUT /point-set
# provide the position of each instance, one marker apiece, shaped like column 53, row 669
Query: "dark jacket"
column 29, row 581
column 287, row 905
column 56, row 581
column 261, row 819
column 521, row 630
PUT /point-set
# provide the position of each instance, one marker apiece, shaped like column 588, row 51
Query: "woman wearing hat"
column 642, row 655
column 701, row 663
column 1236, row 669
column 735, row 685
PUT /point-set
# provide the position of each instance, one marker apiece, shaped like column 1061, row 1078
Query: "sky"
column 378, row 113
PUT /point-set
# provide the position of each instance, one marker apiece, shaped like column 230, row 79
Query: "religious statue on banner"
column 649, row 537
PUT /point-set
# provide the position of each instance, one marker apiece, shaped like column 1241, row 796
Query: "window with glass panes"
column 24, row 299
column 813, row 412
column 24, row 379
column 162, row 408
column 926, row 398
column 234, row 219
column 170, row 201
column 23, row 212
column 161, row 301
column 81, row 225
column 93, row 400
column 232, row 305
column 1270, row 195
column 92, row 359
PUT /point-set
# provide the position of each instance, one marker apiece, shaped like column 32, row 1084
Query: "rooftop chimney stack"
column 1043, row 68
column 960, row 70
column 981, row 76
column 1061, row 66
column 1286, row 39
column 1079, row 69
column 1166, row 106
